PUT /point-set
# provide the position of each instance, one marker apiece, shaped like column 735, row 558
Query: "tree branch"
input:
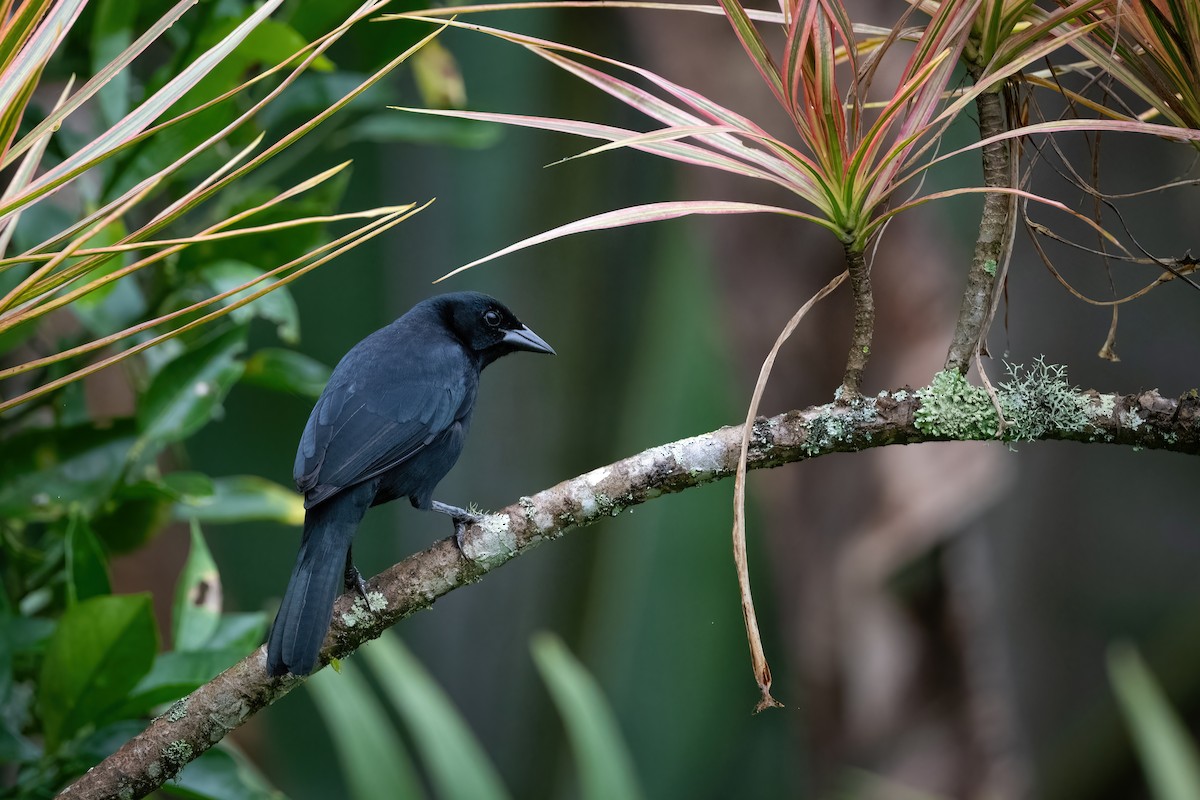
column 201, row 719
column 995, row 227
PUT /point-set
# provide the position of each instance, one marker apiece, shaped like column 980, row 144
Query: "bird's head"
column 487, row 327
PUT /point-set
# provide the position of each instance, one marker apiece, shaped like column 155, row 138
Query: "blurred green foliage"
column 97, row 469
column 377, row 763
column 1164, row 746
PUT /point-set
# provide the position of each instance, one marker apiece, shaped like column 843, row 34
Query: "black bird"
column 390, row 423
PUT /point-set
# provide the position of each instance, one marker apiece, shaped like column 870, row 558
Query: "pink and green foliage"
column 845, row 157
column 854, row 146
column 1152, row 48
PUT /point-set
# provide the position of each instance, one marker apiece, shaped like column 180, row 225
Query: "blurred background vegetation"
column 938, row 616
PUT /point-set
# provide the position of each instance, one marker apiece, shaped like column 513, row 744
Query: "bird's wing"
column 355, row 434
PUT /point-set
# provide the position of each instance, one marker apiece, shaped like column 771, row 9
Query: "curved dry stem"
column 1034, row 229
column 758, row 658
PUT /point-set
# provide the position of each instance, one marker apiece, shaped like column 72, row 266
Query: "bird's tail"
column 303, row 619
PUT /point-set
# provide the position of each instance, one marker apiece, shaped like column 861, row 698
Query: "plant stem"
column 864, row 323
column 975, row 311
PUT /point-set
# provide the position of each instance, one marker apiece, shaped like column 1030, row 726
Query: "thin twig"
column 758, row 658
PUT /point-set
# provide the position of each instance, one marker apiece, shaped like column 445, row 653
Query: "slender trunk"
column 975, row 311
column 864, row 323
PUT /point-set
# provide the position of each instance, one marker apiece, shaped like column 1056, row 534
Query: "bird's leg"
column 462, row 518
column 354, row 579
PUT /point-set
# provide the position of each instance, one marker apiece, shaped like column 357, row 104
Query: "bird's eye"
column 492, row 318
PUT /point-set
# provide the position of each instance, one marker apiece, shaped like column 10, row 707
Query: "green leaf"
column 25, row 635
column 240, row 631
column 605, row 767
column 14, row 748
column 389, row 127
column 46, row 471
column 119, row 135
column 456, row 764
column 270, row 42
column 438, row 77
column 115, row 305
column 188, row 484
column 100, row 651
column 187, row 392
column 1167, row 754
column 23, row 71
column 244, row 498
column 373, row 758
column 111, row 33
column 221, row 773
column 132, row 519
column 286, row 371
column 277, row 306
column 197, row 609
column 174, row 675
column 87, row 568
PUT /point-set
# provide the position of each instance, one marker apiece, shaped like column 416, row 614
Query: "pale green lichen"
column 178, row 711
column 953, row 408
column 1038, row 399
column 863, row 412
column 363, row 612
column 822, row 432
column 528, row 507
column 1131, row 420
column 989, row 267
column 835, row 425
column 175, row 755
column 1103, row 407
column 494, row 544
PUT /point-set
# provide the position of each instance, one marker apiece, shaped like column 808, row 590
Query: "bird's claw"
column 354, row 582
column 461, row 523
column 462, row 518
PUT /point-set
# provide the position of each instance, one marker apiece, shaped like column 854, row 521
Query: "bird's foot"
column 461, row 517
column 354, row 582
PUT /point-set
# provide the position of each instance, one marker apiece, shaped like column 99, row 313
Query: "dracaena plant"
column 856, row 153
column 120, row 218
column 139, row 227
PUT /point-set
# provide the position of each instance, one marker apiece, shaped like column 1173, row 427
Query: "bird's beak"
column 524, row 339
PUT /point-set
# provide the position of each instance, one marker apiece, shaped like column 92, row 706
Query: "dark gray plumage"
column 390, row 423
